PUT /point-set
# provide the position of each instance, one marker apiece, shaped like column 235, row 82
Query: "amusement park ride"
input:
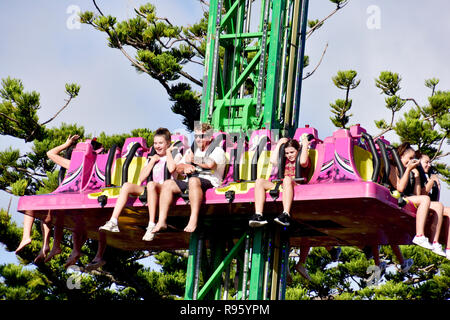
column 251, row 97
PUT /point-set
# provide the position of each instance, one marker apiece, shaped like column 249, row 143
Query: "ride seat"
column 82, row 162
column 255, row 161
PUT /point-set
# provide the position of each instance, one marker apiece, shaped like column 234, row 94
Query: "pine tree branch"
column 108, row 275
column 141, row 67
column 98, row 9
column 57, row 113
column 179, row 253
column 442, row 155
column 49, row 120
column 389, row 128
column 9, row 118
column 319, row 24
column 439, row 148
column 189, row 77
column 194, row 46
column 413, row 100
column 317, row 66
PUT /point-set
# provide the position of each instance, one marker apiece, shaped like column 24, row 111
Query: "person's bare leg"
column 437, row 209
column 398, row 253
column 58, row 232
column 45, row 237
column 376, row 255
column 195, row 199
column 98, row 260
column 78, row 241
column 168, row 189
column 45, row 243
column 153, row 189
column 261, row 185
column 79, row 237
column 300, row 266
column 423, row 205
column 126, row 190
column 101, row 246
column 288, row 194
column 48, row 217
column 28, row 221
column 447, row 247
column 447, row 214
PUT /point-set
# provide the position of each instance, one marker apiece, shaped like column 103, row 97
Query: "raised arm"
column 274, row 153
column 401, row 183
column 171, row 161
column 304, row 155
column 417, row 186
column 433, row 179
column 53, row 154
column 148, row 168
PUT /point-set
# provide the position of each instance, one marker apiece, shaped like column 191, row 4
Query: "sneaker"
column 283, row 219
column 110, row 226
column 437, row 248
column 406, row 265
column 257, row 220
column 447, row 253
column 423, row 242
column 149, row 235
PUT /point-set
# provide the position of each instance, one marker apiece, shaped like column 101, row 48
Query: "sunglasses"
column 202, row 136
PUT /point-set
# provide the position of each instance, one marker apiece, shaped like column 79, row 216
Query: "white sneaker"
column 110, row 226
column 423, row 242
column 447, row 253
column 437, row 248
column 149, row 235
column 407, row 264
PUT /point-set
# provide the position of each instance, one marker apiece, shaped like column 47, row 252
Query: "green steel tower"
column 252, row 80
column 253, row 64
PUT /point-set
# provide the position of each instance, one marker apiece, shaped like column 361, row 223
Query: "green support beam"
column 218, row 272
column 257, row 270
column 191, row 267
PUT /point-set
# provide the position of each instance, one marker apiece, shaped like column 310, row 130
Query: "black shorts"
column 204, row 183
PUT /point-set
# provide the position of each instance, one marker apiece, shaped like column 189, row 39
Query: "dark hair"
column 403, row 148
column 292, row 143
column 420, row 155
column 95, row 144
column 163, row 132
column 69, row 150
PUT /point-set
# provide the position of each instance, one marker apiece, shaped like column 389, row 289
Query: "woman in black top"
column 412, row 193
column 431, row 186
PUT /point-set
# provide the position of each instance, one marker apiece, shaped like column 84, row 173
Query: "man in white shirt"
column 203, row 172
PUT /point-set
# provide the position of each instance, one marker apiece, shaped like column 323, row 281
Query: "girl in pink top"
column 161, row 144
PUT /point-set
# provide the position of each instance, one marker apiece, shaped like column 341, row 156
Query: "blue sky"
column 41, row 46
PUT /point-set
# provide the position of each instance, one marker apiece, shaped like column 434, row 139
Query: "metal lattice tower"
column 252, row 77
column 252, row 80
